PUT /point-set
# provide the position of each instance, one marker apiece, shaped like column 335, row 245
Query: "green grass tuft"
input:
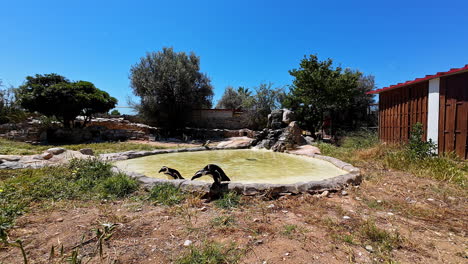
column 211, row 253
column 166, row 194
column 228, row 200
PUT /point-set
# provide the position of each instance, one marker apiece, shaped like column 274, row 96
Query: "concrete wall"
column 217, row 118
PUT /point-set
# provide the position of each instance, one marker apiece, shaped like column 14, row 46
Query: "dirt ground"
column 429, row 219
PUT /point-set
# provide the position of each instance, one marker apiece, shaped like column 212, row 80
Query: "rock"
column 56, row 151
column 187, row 243
column 324, row 194
column 309, row 140
column 235, row 142
column 87, row 151
column 288, row 116
column 276, row 118
column 369, row 248
column 271, row 206
column 46, row 155
column 344, row 193
column 258, row 242
column 10, row 157
column 346, row 217
column 307, row 150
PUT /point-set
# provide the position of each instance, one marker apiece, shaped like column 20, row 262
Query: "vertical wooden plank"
column 442, row 115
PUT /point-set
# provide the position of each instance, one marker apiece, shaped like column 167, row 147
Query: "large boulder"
column 276, row 118
column 288, row 116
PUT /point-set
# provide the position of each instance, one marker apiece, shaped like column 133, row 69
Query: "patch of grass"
column 166, row 194
column 348, row 239
column 222, row 221
column 9, row 147
column 385, row 241
column 228, row 200
column 119, row 186
column 211, row 253
column 289, row 229
column 81, row 179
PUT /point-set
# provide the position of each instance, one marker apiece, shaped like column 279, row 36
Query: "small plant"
column 119, row 185
column 222, row 221
column 418, row 148
column 228, row 200
column 166, row 194
column 289, row 229
column 211, row 253
column 384, row 240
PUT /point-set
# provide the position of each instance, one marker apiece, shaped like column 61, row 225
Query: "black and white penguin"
column 173, row 173
column 214, row 171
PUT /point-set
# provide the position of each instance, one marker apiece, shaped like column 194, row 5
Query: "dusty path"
column 416, row 221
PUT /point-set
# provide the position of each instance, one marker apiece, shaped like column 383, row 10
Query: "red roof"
column 417, row 80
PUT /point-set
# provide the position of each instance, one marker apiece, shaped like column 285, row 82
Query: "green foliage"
column 289, row 229
column 320, row 89
column 166, row 194
column 418, row 148
column 222, row 221
column 170, row 85
column 385, row 241
column 119, row 185
column 360, row 139
column 54, row 95
column 115, row 112
column 235, row 99
column 10, row 111
column 228, row 200
column 211, row 253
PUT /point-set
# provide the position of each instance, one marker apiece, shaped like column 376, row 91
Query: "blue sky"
column 241, row 43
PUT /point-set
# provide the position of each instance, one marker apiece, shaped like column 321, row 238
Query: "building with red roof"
column 438, row 101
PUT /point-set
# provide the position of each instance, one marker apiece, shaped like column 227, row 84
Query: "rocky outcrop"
column 50, row 157
column 236, row 142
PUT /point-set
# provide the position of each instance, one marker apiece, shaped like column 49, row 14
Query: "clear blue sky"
column 241, row 43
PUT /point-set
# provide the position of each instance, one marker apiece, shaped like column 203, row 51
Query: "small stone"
column 187, row 243
column 390, row 214
column 87, row 151
column 203, row 209
column 46, row 155
column 346, row 217
column 287, row 254
column 451, row 198
column 324, row 194
column 369, row 248
column 344, row 193
column 271, row 206
column 256, row 220
column 59, row 220
column 379, row 201
column 56, row 151
column 358, row 199
column 285, row 211
column 430, row 199
column 258, row 242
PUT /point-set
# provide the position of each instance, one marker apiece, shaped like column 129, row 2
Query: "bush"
column 119, row 185
column 166, row 194
column 417, row 148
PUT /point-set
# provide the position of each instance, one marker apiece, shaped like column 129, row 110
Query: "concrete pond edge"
column 352, row 177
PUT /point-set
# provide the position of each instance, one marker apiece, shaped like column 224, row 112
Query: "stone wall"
column 217, row 118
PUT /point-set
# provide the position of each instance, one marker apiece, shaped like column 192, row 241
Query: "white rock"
column 369, row 248
column 271, row 206
column 287, row 254
column 430, row 199
column 344, row 193
column 56, row 151
column 390, row 214
column 346, row 217
column 187, row 243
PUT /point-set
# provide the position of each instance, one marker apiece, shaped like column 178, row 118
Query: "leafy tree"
column 170, row 85
column 10, row 111
column 321, row 89
column 115, row 112
column 55, row 96
column 231, row 99
column 265, row 99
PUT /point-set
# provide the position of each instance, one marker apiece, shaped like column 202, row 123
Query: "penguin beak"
column 198, row 174
column 161, row 170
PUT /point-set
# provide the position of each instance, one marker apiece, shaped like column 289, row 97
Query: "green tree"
column 55, row 96
column 231, row 99
column 259, row 105
column 115, row 112
column 170, row 85
column 321, row 89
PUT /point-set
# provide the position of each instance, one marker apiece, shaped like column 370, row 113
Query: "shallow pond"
column 246, row 166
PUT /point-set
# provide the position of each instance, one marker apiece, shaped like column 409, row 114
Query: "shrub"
column 228, row 200
column 417, row 148
column 166, row 194
column 119, row 185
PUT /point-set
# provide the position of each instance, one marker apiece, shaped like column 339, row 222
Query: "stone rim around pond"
column 353, row 177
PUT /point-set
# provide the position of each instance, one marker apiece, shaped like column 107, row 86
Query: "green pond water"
column 246, row 166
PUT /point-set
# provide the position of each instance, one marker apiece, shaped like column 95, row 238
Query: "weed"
column 289, row 229
column 166, row 194
column 211, row 253
column 228, row 200
column 384, row 240
column 222, row 221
